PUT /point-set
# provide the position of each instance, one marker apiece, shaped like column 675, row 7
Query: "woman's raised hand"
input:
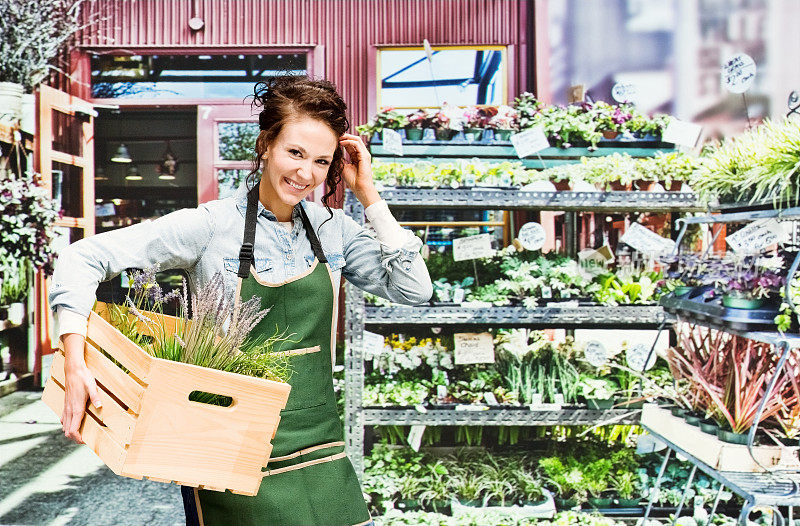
column 357, row 171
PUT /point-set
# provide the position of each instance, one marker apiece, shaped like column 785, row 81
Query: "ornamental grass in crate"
column 194, row 401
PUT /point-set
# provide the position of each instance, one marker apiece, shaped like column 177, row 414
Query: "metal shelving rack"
column 359, row 316
column 765, row 489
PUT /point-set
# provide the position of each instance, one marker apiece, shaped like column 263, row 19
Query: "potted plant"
column 416, row 124
column 446, row 122
column 15, row 279
column 748, row 288
column 566, row 479
column 475, row 119
column 437, row 493
column 528, row 109
column 610, row 119
column 33, row 33
column 469, row 487
column 503, row 123
column 386, row 118
column 597, row 475
column 410, row 488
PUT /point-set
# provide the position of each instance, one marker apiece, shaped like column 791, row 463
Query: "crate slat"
column 128, row 390
column 105, row 336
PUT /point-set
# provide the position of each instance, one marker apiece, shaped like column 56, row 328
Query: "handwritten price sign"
column 738, row 73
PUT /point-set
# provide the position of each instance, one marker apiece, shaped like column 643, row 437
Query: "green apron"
column 309, row 480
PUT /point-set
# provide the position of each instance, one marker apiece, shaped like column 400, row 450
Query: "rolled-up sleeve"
column 388, row 263
column 176, row 240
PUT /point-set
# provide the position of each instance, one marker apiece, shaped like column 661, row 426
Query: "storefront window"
column 460, row 76
column 188, row 76
column 229, row 181
column 236, row 140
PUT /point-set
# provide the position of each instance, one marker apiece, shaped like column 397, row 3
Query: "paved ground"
column 47, row 480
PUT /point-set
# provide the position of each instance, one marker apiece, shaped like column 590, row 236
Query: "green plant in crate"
column 626, row 484
column 597, row 475
column 438, row 486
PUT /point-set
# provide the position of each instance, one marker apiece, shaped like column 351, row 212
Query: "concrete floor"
column 47, row 480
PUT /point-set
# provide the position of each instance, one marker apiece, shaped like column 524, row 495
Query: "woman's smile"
column 294, row 185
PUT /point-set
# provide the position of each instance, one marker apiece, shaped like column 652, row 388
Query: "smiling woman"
column 268, row 242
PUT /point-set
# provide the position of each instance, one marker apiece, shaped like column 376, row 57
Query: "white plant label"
column 441, row 391
column 558, row 398
column 681, row 132
column 373, row 344
column 546, row 292
column 624, row 92
column 635, row 357
column 472, row 247
column 738, row 73
column 490, row 398
column 596, row 353
column 415, row 437
column 645, row 240
column 532, row 236
column 530, row 141
column 757, row 236
column 458, row 296
column 471, row 347
column 392, row 142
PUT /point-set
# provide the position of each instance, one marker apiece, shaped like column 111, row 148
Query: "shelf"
column 503, row 150
column 775, row 489
column 553, row 315
column 498, row 417
column 756, row 321
column 785, row 214
column 484, row 198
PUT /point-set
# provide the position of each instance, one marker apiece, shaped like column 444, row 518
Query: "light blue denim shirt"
column 206, row 240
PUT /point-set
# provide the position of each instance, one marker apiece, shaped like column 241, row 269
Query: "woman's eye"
column 294, row 152
column 323, row 162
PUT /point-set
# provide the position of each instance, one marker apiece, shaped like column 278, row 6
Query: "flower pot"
column 414, row 134
column 439, row 506
column 16, row 313
column 540, row 502
column 682, row 290
column 709, row 426
column 627, row 503
column 692, row 419
column 27, row 119
column 600, row 502
column 735, row 302
column 731, row 437
column 473, row 134
column 600, row 403
column 565, row 504
column 610, row 134
column 678, row 411
column 502, row 135
column 10, row 102
column 444, row 134
column 643, row 185
column 618, row 186
column 472, row 503
column 561, row 186
column 675, row 186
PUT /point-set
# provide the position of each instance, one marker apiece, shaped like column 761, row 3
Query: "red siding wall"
column 348, row 30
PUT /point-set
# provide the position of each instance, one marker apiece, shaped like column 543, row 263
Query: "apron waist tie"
column 307, row 463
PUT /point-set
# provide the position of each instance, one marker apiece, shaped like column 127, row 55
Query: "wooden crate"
column 148, row 427
column 712, row 451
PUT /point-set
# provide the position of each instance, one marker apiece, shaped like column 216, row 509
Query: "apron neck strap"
column 246, row 252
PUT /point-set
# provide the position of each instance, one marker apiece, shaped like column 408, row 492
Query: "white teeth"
column 293, row 185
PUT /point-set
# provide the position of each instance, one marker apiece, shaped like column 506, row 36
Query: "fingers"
column 72, row 424
column 93, row 395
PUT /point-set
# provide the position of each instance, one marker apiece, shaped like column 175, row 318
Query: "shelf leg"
column 654, row 492
column 686, row 489
column 746, row 508
column 716, row 502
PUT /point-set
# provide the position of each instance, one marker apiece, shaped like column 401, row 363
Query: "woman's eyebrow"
column 303, row 151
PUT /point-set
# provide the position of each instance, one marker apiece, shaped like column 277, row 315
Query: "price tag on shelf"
column 530, row 141
column 645, row 240
column 757, row 236
column 635, row 357
column 415, row 437
column 471, row 347
column 472, row 247
column 681, row 132
column 392, row 142
column 738, row 73
column 596, row 353
column 373, row 344
column 532, row 236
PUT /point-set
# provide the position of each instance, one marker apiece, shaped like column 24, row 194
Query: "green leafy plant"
column 387, row 118
column 14, row 279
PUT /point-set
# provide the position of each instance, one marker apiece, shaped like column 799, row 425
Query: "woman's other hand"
column 80, row 387
column 357, row 171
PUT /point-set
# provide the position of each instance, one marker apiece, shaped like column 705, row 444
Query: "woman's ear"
column 265, row 155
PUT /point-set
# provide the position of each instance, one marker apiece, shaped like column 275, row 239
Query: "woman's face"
column 296, row 163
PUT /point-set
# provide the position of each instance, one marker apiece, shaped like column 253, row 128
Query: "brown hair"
column 290, row 96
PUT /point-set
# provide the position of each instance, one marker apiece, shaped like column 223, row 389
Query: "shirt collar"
column 241, row 204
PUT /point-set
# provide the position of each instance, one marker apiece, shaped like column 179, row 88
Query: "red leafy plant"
column 729, row 376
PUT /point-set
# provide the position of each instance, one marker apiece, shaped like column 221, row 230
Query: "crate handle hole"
column 203, row 397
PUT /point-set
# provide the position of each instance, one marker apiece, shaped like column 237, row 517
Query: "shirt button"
column 288, row 257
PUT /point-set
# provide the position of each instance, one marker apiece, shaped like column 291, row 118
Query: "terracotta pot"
column 675, row 186
column 562, row 186
column 609, row 134
column 618, row 186
column 643, row 185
